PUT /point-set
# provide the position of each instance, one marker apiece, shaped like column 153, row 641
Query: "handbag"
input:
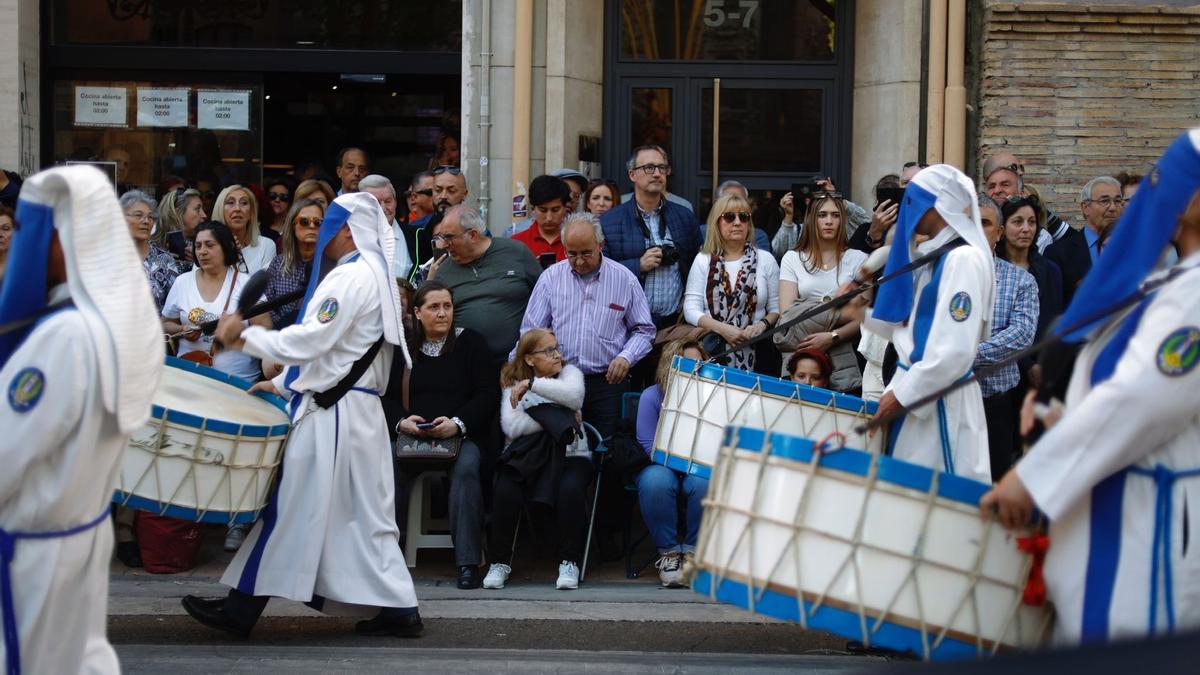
column 680, row 331
column 421, row 448
column 205, row 358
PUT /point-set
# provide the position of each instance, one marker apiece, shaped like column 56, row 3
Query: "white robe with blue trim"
column 59, row 460
column 1141, row 417
column 330, row 530
column 957, row 422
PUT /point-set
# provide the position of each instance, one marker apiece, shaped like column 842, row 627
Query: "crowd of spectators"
column 553, row 322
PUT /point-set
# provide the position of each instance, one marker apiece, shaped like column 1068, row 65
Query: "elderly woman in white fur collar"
column 538, row 375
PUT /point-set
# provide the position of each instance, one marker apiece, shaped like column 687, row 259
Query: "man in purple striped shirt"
column 598, row 310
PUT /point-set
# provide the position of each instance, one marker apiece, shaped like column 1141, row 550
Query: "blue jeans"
column 659, row 489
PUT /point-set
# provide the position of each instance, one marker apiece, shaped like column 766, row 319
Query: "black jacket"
column 1072, row 257
column 536, row 460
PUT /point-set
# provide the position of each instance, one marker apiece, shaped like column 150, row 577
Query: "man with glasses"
column 382, row 189
column 351, row 168
column 1101, row 203
column 599, row 314
column 449, row 190
column 1004, row 177
column 652, row 237
column 491, row 278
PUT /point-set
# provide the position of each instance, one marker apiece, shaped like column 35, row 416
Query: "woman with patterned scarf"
column 733, row 288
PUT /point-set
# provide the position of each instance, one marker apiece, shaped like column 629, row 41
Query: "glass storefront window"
column 651, row 117
column 281, row 24
column 207, row 134
column 776, row 130
column 727, row 30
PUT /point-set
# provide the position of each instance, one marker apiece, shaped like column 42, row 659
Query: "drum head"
column 210, row 394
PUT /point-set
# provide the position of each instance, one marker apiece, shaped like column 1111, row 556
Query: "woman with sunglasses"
column 732, row 288
column 813, row 271
column 279, row 199
column 289, row 270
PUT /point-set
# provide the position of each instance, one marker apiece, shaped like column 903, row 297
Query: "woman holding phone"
column 452, row 391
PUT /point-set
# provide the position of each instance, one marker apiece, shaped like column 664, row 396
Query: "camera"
column 670, row 255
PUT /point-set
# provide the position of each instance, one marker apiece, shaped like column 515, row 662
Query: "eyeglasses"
column 309, row 222
column 730, row 216
column 548, row 351
column 427, row 193
column 277, row 196
column 650, row 169
column 585, row 255
column 1106, row 202
column 140, row 216
column 446, row 238
column 446, row 168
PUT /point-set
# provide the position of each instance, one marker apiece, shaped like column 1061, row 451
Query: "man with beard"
column 449, row 189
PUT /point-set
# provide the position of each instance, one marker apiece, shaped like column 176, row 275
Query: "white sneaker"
column 568, row 576
column 670, row 571
column 497, row 575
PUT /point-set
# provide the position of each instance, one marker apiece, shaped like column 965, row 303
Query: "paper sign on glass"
column 162, row 107
column 101, row 106
column 223, row 110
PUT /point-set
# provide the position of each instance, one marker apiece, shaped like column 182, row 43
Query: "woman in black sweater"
column 454, row 387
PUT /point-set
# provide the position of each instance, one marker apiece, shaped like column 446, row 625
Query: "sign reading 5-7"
column 716, row 14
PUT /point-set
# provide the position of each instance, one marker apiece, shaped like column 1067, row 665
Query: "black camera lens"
column 670, row 255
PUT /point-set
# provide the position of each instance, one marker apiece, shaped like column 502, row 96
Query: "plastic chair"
column 420, row 524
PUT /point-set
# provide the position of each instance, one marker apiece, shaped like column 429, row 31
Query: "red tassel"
column 1035, row 587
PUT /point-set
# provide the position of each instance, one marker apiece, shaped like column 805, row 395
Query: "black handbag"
column 420, row 448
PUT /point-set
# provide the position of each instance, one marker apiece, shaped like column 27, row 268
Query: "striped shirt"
column 595, row 319
column 1014, row 323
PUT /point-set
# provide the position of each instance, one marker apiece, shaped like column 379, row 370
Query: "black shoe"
column 129, row 553
column 408, row 625
column 211, row 613
column 468, row 577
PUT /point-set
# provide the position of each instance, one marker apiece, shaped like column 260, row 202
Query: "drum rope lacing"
column 713, row 532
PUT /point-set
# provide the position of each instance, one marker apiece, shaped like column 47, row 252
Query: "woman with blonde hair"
column 540, row 388
column 237, row 209
column 316, row 190
column 180, row 210
column 812, row 273
column 732, row 288
column 658, row 487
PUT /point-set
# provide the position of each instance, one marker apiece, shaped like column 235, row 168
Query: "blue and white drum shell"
column 210, row 450
column 702, row 399
column 865, row 546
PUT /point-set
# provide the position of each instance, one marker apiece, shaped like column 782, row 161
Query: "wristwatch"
column 835, row 335
column 462, row 427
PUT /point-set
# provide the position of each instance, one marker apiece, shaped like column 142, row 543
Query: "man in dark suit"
column 1101, row 203
column 654, row 238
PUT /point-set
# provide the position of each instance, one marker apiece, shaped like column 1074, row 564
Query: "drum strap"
column 328, row 399
column 8, row 546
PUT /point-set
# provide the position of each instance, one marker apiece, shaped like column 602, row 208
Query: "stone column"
column 20, row 82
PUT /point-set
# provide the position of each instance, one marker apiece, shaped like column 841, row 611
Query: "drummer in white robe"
column 328, row 535
column 76, row 383
column 1119, row 474
column 936, row 316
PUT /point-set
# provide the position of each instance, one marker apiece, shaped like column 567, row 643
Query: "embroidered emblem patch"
column 26, row 389
column 328, row 310
column 1179, row 352
column 960, row 306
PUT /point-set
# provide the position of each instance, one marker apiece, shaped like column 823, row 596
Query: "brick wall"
column 1078, row 90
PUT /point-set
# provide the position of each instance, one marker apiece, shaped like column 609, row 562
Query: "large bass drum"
column 210, row 450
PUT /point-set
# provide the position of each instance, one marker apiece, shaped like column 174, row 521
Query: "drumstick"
column 1147, row 287
column 842, row 300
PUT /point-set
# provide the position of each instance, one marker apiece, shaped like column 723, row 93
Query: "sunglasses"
column 309, row 222
column 277, row 196
column 427, row 193
column 730, row 216
column 446, row 168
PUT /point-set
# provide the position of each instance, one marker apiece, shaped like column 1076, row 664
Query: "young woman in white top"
column 238, row 209
column 732, row 288
column 821, row 262
column 536, row 375
column 204, row 294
